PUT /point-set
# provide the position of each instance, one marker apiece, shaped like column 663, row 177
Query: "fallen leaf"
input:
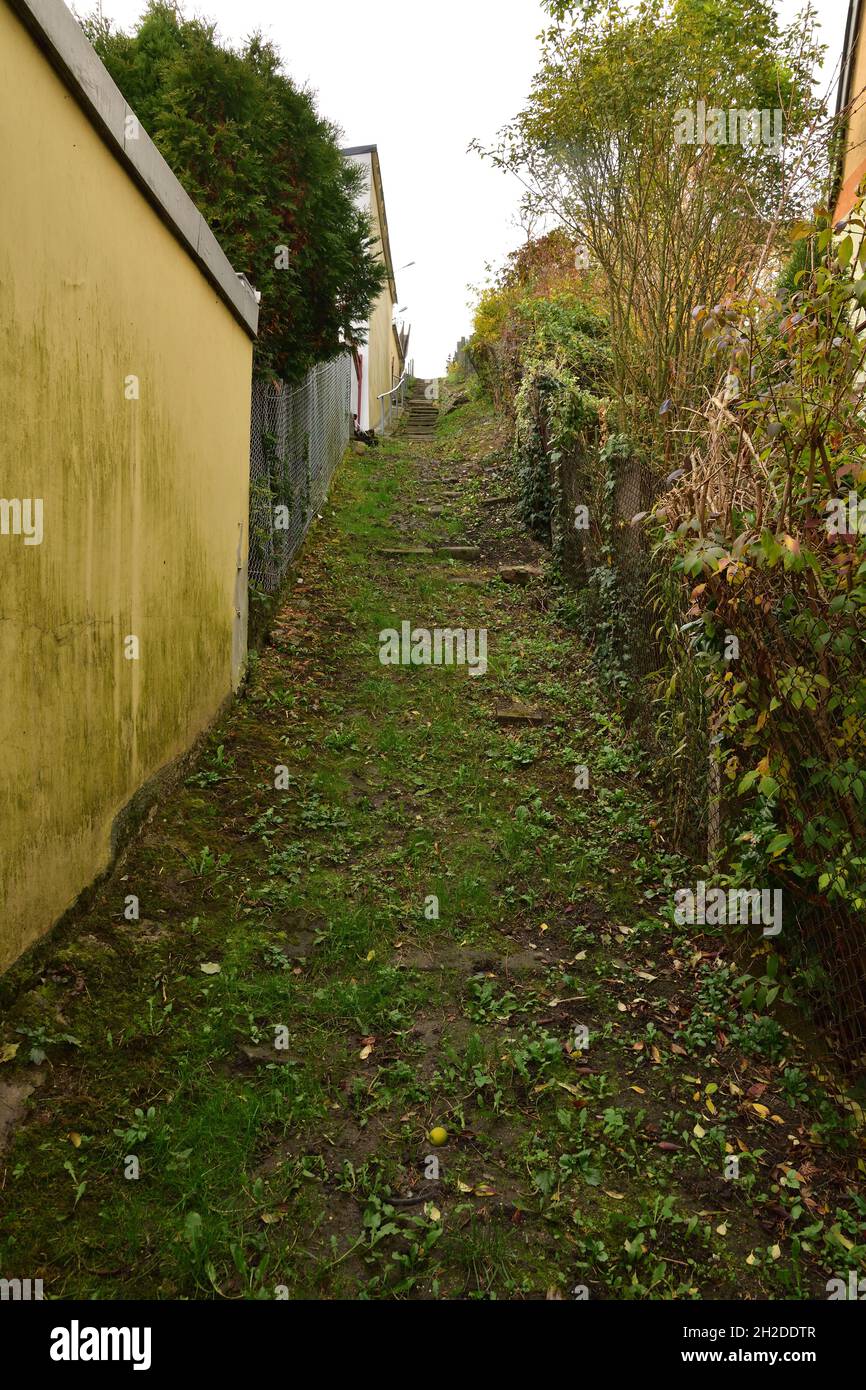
column 74, row 1139
column 210, row 968
column 8, row 1051
column 567, row 1086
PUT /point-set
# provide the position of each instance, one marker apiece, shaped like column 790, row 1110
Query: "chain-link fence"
column 750, row 697
column 297, row 438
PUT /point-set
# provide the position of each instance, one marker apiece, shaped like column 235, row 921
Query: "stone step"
column 395, row 550
column 519, row 574
column 460, row 552
column 520, row 714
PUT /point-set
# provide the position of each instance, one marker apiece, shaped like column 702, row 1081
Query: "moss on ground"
column 302, row 915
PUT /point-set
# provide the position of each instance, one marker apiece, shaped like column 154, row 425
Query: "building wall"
column 854, row 163
column 379, row 352
column 144, row 501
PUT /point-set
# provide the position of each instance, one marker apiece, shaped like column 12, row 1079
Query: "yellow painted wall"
column 381, row 350
column 854, row 165
column 144, row 502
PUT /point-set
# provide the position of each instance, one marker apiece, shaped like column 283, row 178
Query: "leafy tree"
column 670, row 221
column 266, row 172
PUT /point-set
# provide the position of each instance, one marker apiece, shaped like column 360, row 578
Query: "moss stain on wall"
column 143, row 500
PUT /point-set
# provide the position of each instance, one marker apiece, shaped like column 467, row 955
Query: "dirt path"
column 419, row 925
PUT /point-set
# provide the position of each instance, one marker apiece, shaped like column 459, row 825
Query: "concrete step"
column 460, row 552
column 519, row 714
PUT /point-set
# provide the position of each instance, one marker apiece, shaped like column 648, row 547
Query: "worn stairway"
column 422, row 413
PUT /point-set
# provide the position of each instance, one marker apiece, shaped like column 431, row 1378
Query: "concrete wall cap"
column 58, row 34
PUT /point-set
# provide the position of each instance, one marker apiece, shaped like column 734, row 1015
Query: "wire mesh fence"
column 297, row 437
column 805, row 835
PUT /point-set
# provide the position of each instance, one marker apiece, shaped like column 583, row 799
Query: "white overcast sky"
column 421, row 81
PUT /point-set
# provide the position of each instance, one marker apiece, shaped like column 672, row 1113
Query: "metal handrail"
column 384, row 421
